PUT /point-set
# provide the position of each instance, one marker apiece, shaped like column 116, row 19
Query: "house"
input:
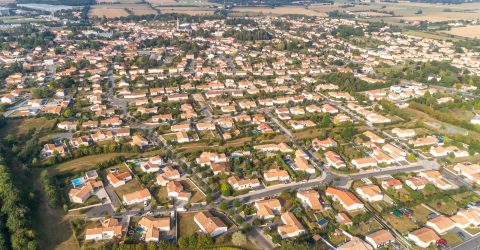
column 470, row 171
column 276, row 175
column 50, row 149
column 152, row 226
column 392, row 183
column 175, row 190
column 424, row 141
column 82, row 193
column 281, row 147
column 434, row 177
column 110, row 229
column 180, row 127
column 370, row 193
column 441, row 224
column 149, row 167
column 334, row 160
column 416, row 183
column 374, row 137
column 207, row 158
column 209, row 224
column 380, row 238
column 345, row 198
column 442, row 151
column 182, row 137
column 137, row 197
column 364, row 162
column 423, row 237
column 323, row 144
column 310, row 199
column 292, row 227
column 201, row 126
column 140, row 141
column 403, row 133
column 267, row 209
column 119, row 179
column 355, row 244
column 67, row 125
column 240, row 184
column 302, row 164
column 343, row 219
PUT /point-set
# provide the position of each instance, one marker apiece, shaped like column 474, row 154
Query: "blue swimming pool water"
column 77, row 182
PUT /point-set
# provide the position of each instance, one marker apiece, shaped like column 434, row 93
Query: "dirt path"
column 50, row 224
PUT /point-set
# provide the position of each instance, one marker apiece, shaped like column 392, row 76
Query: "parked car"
column 461, row 235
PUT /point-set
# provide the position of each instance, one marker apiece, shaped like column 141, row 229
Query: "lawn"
column 186, row 224
column 401, row 224
column 129, row 187
column 473, row 230
column 452, row 238
column 420, row 213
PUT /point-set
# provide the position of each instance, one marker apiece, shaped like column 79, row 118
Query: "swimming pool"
column 78, row 182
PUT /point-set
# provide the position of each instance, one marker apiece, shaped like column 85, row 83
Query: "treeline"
column 348, row 82
column 247, row 35
column 346, row 31
column 444, row 117
column 51, row 192
column 240, row 21
column 17, row 215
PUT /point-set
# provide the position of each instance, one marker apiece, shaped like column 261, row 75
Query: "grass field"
column 446, row 206
column 194, row 11
column 197, row 195
column 452, row 238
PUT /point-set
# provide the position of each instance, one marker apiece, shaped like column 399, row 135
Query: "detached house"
column 209, row 224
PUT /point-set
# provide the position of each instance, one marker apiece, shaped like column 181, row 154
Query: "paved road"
column 273, row 190
column 470, row 244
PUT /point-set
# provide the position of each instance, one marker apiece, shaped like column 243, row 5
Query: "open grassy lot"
column 473, row 230
column 446, row 205
column 23, row 126
column 429, row 35
column 197, row 195
column 401, row 224
column 420, row 213
column 84, row 163
column 186, row 224
column 194, row 11
column 364, row 228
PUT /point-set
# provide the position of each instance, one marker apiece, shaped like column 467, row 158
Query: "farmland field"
column 120, row 10
column 185, row 10
column 288, row 10
column 471, row 31
column 118, row 1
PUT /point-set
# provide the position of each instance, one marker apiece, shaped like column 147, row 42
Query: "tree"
column 223, row 206
column 204, row 241
column 239, row 239
column 226, row 189
column 236, row 203
column 152, row 246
